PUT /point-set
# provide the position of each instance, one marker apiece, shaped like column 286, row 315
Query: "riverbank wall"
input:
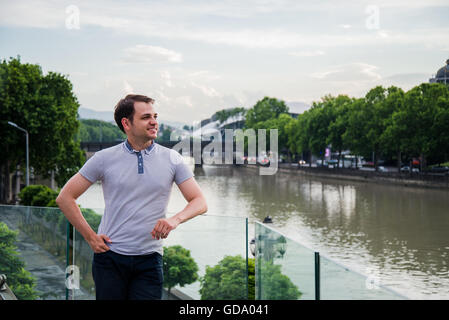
column 417, row 180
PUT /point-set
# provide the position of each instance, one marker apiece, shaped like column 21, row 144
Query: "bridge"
column 93, row 146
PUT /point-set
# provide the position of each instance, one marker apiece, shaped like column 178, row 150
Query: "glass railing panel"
column 218, row 245
column 340, row 283
column 41, row 246
column 284, row 269
column 208, row 238
column 84, row 287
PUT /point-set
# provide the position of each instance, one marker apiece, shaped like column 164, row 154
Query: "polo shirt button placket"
column 140, row 161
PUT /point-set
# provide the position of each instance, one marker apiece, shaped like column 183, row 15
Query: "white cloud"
column 184, row 101
column 149, row 19
column 207, row 91
column 313, row 53
column 150, row 54
column 349, row 72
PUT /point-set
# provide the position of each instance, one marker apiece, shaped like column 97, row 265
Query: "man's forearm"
column 73, row 213
column 195, row 207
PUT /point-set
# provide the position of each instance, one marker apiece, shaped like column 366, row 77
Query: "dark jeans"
column 120, row 277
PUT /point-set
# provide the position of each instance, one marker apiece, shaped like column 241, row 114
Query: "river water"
column 400, row 233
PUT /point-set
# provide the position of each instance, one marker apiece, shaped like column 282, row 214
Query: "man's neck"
column 138, row 145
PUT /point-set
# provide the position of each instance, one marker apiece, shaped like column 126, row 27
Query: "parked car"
column 439, row 169
column 320, row 163
column 407, row 169
column 382, row 169
column 332, row 163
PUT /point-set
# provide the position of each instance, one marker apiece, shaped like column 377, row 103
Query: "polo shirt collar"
column 131, row 150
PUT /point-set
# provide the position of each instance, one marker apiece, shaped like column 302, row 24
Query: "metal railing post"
column 67, row 257
column 317, row 276
column 247, row 269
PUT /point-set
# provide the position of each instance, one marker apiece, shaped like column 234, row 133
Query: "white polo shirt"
column 136, row 188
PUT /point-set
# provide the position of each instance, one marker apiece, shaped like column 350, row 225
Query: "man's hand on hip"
column 98, row 243
column 163, row 227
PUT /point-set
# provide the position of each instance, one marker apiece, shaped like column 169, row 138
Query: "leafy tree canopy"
column 179, row 267
column 46, row 107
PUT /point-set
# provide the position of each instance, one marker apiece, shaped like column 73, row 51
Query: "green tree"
column 265, row 109
column 277, row 286
column 19, row 280
column 393, row 134
column 269, row 113
column 355, row 135
column 298, row 139
column 47, row 108
column 440, row 130
column 280, row 123
column 164, row 134
column 418, row 125
column 27, row 194
column 38, row 195
column 179, row 267
column 98, row 130
column 337, row 126
column 226, row 280
column 319, row 119
column 225, row 114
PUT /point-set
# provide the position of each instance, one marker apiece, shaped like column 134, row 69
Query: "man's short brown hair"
column 125, row 108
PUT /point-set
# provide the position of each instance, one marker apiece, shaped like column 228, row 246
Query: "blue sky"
column 196, row 57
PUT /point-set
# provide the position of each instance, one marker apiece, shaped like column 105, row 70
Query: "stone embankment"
column 422, row 180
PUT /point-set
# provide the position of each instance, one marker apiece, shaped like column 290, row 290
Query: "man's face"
column 144, row 124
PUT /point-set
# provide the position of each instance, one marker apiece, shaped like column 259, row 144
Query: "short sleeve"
column 93, row 168
column 182, row 171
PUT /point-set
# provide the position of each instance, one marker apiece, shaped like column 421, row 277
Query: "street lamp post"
column 27, row 153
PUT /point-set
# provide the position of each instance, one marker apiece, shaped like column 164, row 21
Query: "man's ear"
column 125, row 123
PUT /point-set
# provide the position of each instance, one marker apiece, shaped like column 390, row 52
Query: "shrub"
column 27, row 194
column 179, row 267
column 38, row 195
column 226, row 280
column 277, row 286
column 20, row 281
column 44, row 197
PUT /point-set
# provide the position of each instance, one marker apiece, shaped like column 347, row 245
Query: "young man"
column 137, row 176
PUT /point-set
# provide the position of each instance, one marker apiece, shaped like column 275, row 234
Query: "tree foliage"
column 263, row 110
column 225, row 281
column 225, row 114
column 277, row 286
column 46, row 107
column 38, row 196
column 98, row 130
column 269, row 113
column 179, row 267
column 386, row 122
column 19, row 280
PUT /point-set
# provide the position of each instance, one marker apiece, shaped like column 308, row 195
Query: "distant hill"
column 108, row 116
column 85, row 113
